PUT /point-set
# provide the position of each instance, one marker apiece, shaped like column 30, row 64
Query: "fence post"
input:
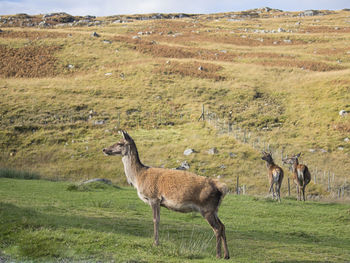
column 237, row 188
column 329, row 181
column 244, row 189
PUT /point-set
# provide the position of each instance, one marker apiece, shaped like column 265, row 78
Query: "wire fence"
column 335, row 186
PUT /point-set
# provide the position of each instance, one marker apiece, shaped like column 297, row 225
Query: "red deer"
column 275, row 175
column 301, row 174
column 176, row 190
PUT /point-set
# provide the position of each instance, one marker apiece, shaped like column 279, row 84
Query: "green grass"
column 42, row 221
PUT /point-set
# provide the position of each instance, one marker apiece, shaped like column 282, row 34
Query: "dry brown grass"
column 28, row 62
column 180, row 52
column 32, row 35
column 191, row 69
column 307, row 65
column 325, row 29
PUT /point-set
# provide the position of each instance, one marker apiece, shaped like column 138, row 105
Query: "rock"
column 94, row 34
column 102, row 180
column 343, row 113
column 189, row 151
column 323, row 150
column 346, row 139
column 213, row 150
column 184, row 166
column 340, row 148
column 70, row 66
column 279, row 30
column 309, row 13
column 232, row 155
column 136, row 37
column 43, row 24
column 288, row 41
column 312, row 150
column 108, row 74
column 222, row 166
column 107, row 42
column 99, row 122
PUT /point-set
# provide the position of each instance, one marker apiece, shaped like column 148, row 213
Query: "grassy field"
column 283, row 77
column 43, row 221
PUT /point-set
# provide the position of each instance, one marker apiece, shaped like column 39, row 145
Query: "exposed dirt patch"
column 28, row 62
column 32, row 35
column 342, row 127
column 192, row 69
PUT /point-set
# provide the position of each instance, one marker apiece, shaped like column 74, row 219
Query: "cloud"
column 112, row 7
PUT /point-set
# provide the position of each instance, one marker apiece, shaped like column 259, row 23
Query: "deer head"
column 267, row 157
column 291, row 160
column 120, row 148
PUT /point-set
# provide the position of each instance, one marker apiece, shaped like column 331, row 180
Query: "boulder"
column 213, row 151
column 189, row 152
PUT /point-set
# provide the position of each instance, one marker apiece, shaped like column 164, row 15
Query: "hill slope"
column 281, row 77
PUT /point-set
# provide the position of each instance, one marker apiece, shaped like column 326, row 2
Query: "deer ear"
column 126, row 136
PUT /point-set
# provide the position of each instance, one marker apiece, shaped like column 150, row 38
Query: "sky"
column 117, row 7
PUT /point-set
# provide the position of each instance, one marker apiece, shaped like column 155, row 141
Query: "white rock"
column 189, row 151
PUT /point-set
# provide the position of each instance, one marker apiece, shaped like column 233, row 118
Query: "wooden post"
column 288, row 187
column 244, row 189
column 329, row 181
column 202, row 115
column 237, row 188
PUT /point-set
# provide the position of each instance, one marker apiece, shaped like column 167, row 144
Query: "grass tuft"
column 16, row 174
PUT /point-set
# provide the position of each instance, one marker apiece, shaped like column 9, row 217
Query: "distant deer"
column 301, row 174
column 177, row 190
column 275, row 175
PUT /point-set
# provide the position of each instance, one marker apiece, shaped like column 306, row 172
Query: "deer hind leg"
column 303, row 192
column 217, row 228
column 298, row 192
column 156, row 218
column 272, row 190
column 278, row 192
column 223, row 239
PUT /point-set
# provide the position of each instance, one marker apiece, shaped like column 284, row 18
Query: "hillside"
column 268, row 79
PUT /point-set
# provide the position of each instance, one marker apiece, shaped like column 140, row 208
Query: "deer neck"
column 295, row 166
column 132, row 165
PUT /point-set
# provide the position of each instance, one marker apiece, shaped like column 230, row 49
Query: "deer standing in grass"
column 301, row 174
column 275, row 175
column 180, row 191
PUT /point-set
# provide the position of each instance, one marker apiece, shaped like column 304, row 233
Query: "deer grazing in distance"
column 176, row 190
column 275, row 175
column 301, row 174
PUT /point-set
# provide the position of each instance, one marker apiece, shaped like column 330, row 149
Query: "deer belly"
column 179, row 206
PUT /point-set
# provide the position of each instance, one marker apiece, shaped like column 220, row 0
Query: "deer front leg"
column 156, row 218
column 304, row 192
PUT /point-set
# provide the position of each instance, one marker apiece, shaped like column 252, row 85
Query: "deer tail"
column 222, row 187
